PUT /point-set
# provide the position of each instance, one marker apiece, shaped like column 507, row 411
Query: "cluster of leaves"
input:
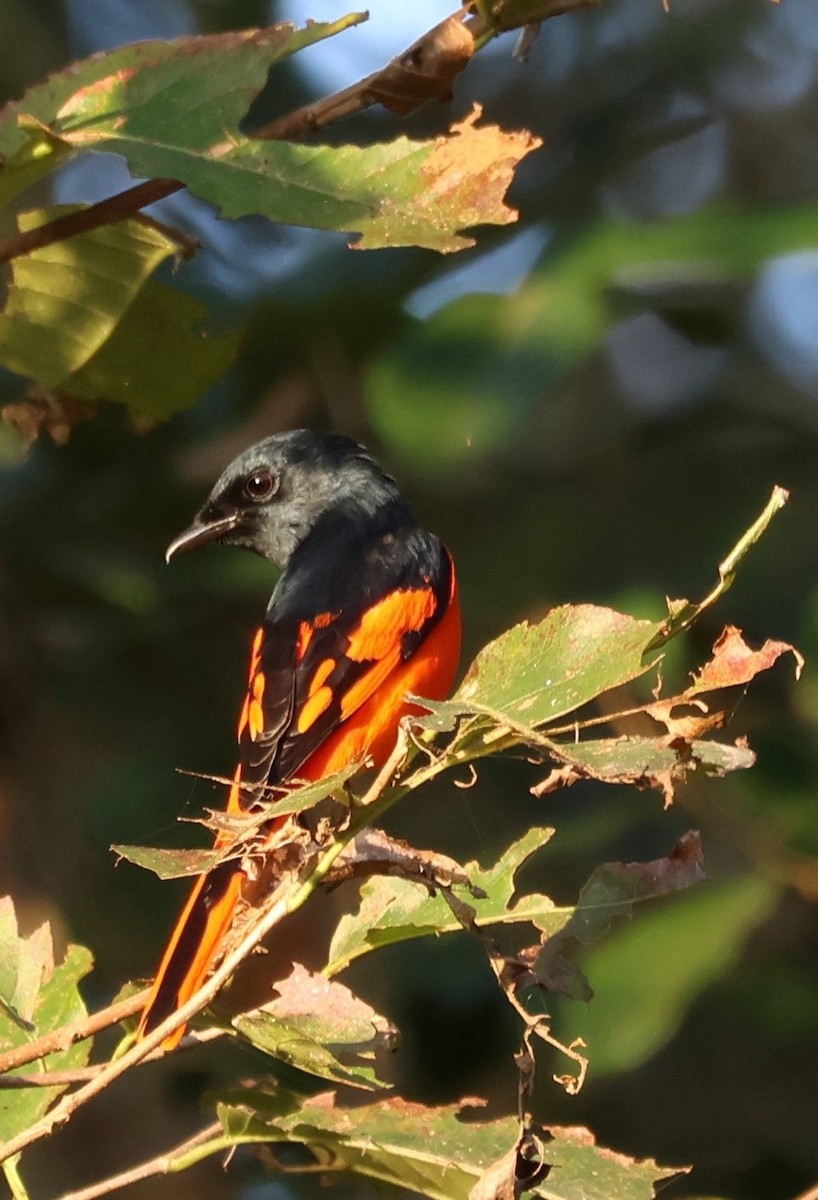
column 536, row 687
column 86, row 319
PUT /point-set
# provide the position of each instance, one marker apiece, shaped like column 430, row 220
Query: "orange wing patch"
column 317, row 703
column 322, row 673
column 382, row 626
column 255, row 710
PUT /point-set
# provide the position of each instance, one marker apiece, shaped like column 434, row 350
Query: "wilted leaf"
column 36, row 997
column 170, row 864
column 435, row 1151
column 41, row 411
column 734, row 662
column 647, row 974
column 610, row 895
column 239, row 829
column 642, row 761
column 425, row 71
column 322, row 1028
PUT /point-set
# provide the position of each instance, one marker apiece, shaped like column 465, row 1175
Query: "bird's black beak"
column 200, row 533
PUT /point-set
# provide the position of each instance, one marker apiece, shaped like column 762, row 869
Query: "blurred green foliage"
column 604, row 429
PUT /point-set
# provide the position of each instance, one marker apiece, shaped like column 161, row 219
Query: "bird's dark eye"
column 260, row 485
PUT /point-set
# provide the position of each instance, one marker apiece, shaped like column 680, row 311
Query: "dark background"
column 590, row 405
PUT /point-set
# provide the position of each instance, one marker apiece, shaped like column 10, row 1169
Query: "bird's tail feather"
column 196, row 941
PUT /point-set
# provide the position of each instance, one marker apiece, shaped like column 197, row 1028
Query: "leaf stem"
column 11, row 1170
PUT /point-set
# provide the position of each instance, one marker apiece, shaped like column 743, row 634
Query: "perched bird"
column 365, row 611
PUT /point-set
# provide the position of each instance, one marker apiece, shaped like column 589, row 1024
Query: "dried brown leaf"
column 735, row 663
column 425, row 71
column 43, row 412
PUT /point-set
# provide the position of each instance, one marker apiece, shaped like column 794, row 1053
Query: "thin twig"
column 82, row 1074
column 105, row 212
column 173, row 1160
column 69, row 1035
column 284, row 900
column 538, row 1023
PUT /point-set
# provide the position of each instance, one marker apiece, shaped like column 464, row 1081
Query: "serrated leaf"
column 396, row 910
column 36, row 997
column 322, row 1028
column 434, row 1151
column 66, row 299
column 536, row 674
column 400, row 193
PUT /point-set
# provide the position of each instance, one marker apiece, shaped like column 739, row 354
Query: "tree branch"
column 105, row 212
column 69, row 1035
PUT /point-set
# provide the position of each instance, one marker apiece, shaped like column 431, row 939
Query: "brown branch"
column 69, row 1035
column 425, row 71
column 106, row 212
column 82, row 1074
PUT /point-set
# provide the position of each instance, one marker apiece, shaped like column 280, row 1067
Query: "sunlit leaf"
column 537, row 674
column 403, row 192
column 66, row 299
column 36, row 997
column 322, row 1028
column 395, row 910
column 437, row 1152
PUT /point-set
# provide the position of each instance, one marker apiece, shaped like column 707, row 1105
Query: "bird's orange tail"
column 194, row 944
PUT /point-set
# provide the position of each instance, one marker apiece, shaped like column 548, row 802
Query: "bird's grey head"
column 277, row 493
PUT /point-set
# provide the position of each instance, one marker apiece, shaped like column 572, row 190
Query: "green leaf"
column 646, row 975
column 610, row 895
column 170, row 864
column 396, row 910
column 537, row 674
column 434, row 1151
column 322, row 1028
column 66, row 299
column 40, row 153
column 400, row 193
column 158, row 360
column 205, row 82
column 36, row 997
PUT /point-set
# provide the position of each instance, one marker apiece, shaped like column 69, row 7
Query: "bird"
column 365, row 613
